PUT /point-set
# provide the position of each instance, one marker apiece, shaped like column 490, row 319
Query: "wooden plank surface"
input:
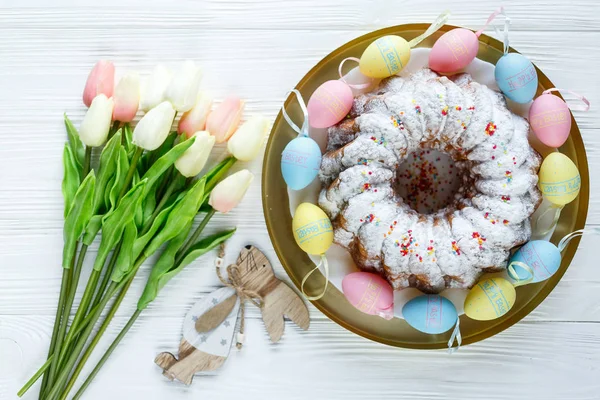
column 259, row 49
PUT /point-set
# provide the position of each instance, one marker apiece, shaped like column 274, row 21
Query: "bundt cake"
column 490, row 212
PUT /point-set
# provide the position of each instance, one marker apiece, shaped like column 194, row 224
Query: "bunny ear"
column 216, row 315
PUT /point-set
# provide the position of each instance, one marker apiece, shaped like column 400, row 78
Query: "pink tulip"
column 127, row 98
column 230, row 191
column 224, row 120
column 100, row 81
column 194, row 120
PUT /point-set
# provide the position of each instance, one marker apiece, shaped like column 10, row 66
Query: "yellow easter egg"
column 385, row 57
column 490, row 299
column 312, row 229
column 559, row 179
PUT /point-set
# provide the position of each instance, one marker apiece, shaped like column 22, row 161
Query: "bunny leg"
column 279, row 302
column 196, row 361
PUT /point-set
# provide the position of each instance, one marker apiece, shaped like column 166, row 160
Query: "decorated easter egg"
column 559, row 179
column 453, row 51
column 490, row 299
column 541, row 256
column 516, row 77
column 300, row 162
column 550, row 119
column 329, row 104
column 312, row 229
column 385, row 57
column 369, row 293
column 430, row 314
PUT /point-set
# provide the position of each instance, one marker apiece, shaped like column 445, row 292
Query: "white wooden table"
column 259, row 49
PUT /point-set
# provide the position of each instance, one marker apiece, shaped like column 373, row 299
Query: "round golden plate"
column 297, row 264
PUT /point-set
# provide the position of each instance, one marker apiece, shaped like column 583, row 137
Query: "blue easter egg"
column 516, row 77
column 430, row 314
column 300, row 162
column 541, row 256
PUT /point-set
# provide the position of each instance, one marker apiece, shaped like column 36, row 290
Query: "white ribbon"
column 357, row 86
column 301, row 131
column 586, row 102
column 565, row 241
column 437, row 24
column 552, row 209
column 456, row 336
column 325, row 265
column 504, row 34
column 514, row 276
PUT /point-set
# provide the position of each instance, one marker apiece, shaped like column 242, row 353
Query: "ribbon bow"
column 234, row 281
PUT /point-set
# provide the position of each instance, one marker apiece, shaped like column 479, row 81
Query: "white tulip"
column 96, row 123
column 154, row 127
column 154, row 87
column 230, row 191
column 247, row 141
column 183, row 88
column 193, row 159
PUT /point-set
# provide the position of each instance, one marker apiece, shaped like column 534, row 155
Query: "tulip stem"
column 107, row 275
column 64, row 289
column 132, row 168
column 35, row 376
column 190, row 242
column 124, row 284
column 66, row 312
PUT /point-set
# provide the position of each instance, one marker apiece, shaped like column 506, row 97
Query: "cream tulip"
column 224, row 120
column 193, row 159
column 230, row 191
column 183, row 88
column 127, row 98
column 154, row 127
column 194, row 120
column 153, row 89
column 247, row 141
column 96, row 122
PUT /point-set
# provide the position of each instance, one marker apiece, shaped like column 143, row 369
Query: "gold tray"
column 397, row 332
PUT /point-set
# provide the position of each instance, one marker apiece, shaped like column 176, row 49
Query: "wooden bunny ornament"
column 209, row 326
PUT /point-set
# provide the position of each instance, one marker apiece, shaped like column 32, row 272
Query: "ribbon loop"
column 456, row 336
column 578, row 107
column 301, row 131
column 552, row 209
column 325, row 265
column 504, row 34
column 357, row 86
column 514, row 276
column 437, row 24
column 492, row 16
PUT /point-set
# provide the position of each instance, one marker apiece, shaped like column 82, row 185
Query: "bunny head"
column 255, row 270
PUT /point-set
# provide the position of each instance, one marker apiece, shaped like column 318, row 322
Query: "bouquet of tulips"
column 143, row 195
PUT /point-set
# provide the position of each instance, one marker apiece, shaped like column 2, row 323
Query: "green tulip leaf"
column 75, row 142
column 71, row 178
column 79, row 214
column 114, row 223
column 183, row 212
column 92, row 229
column 148, row 205
column 127, row 140
column 119, row 178
column 165, row 269
column 163, row 163
column 125, row 258
column 142, row 241
column 106, row 171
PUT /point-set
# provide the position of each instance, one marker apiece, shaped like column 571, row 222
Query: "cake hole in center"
column 428, row 180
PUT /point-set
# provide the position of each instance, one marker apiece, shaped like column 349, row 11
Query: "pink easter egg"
column 453, row 51
column 329, row 104
column 369, row 293
column 550, row 120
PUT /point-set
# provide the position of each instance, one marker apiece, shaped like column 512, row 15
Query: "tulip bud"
column 246, row 142
column 224, row 120
column 230, row 191
column 154, row 127
column 183, row 89
column 127, row 98
column 101, row 80
column 96, row 123
column 153, row 89
column 194, row 120
column 193, row 159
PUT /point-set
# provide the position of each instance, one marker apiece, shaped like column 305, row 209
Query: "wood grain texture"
column 259, row 49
